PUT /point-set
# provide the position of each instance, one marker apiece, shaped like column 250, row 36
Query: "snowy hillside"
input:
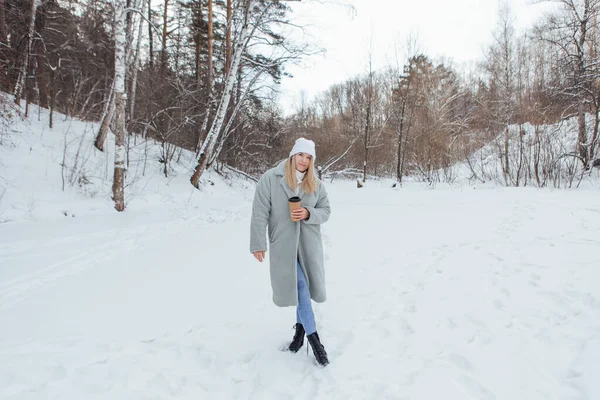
column 539, row 156
column 50, row 173
column 448, row 293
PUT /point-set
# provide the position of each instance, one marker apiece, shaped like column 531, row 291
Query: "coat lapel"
column 286, row 188
column 301, row 192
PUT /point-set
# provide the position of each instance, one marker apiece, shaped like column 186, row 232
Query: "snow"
column 453, row 292
column 556, row 168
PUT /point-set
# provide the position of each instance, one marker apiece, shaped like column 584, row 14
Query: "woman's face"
column 302, row 161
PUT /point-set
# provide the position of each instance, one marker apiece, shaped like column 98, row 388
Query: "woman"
column 295, row 243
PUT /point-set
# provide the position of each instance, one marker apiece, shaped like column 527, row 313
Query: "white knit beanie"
column 304, row 146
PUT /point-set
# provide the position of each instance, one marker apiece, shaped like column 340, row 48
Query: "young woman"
column 295, row 243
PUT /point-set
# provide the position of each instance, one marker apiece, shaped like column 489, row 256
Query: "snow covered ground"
column 448, row 293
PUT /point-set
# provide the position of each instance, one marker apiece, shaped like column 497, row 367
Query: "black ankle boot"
column 298, row 339
column 318, row 349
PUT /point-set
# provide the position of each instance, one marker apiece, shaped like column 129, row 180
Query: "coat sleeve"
column 319, row 214
column 261, row 208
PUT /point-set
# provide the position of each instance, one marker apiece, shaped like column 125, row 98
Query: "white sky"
column 454, row 29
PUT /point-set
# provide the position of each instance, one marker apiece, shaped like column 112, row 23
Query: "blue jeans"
column 304, row 311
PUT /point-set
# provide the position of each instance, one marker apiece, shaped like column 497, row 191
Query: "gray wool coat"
column 289, row 241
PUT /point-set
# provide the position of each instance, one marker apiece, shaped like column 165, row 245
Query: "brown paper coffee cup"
column 294, row 203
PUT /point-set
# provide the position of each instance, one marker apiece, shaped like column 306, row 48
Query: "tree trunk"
column 87, row 98
column 150, row 38
column 209, row 79
column 106, row 119
column 594, row 141
column 399, row 151
column 405, row 144
column 197, row 43
column 209, row 76
column 41, row 74
column 232, row 116
column 78, row 85
column 136, row 58
column 581, row 133
column 399, row 157
column 581, row 74
column 120, row 153
column 3, row 26
column 238, row 93
column 368, row 126
column 4, row 59
column 52, row 94
column 213, row 134
column 366, row 143
column 536, row 155
column 520, row 166
column 204, row 123
column 507, row 177
column 3, row 39
column 228, row 39
column 129, row 32
column 20, row 86
column 120, row 68
column 163, row 53
column 27, row 100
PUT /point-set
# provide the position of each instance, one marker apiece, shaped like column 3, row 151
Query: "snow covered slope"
column 446, row 293
column 541, row 155
column 52, row 173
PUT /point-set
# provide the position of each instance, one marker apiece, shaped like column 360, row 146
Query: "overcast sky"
column 455, row 29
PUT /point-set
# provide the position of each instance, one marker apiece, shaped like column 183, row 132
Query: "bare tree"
column 569, row 30
column 134, row 63
column 21, row 80
column 500, row 64
column 369, row 107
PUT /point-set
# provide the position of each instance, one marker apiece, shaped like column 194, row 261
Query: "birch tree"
column 120, row 100
column 242, row 39
column 254, row 19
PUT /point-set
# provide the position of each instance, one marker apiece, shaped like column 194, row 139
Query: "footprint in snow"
column 406, row 327
column 460, row 362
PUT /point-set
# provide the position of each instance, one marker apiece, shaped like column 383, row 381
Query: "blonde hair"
column 309, row 183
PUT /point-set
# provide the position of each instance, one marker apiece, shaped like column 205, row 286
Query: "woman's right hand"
column 259, row 255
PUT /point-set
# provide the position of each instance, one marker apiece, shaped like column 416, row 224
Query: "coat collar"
column 280, row 168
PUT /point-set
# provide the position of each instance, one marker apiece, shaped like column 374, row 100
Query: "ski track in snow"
column 431, row 294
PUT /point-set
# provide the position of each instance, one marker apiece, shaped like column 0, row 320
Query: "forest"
column 201, row 75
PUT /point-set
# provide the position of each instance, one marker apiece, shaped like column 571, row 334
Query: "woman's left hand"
column 299, row 214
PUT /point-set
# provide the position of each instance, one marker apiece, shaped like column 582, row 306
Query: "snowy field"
column 446, row 293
